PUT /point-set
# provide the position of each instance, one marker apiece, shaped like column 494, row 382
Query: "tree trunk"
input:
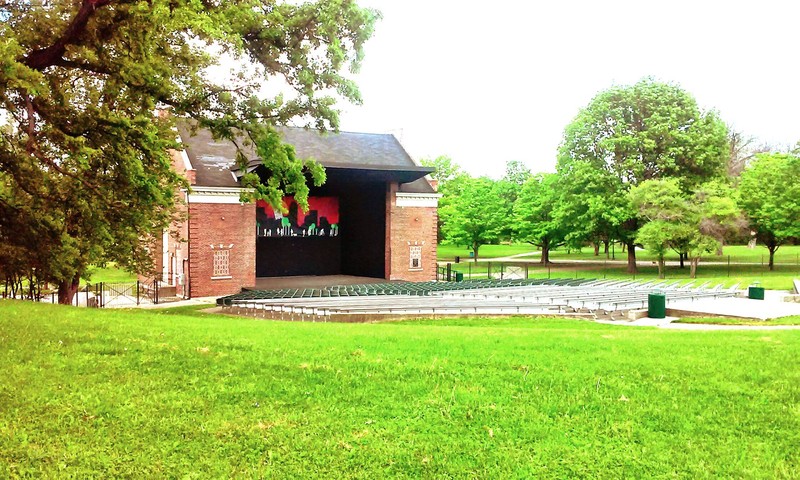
column 67, row 290
column 661, row 264
column 772, row 257
column 596, row 246
column 475, row 247
column 544, row 258
column 681, row 256
column 719, row 248
column 605, row 247
column 631, row 257
column 693, row 267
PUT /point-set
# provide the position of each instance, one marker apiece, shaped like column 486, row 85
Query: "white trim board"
column 229, row 195
column 425, row 200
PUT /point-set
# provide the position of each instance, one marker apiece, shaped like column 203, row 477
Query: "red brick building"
column 375, row 216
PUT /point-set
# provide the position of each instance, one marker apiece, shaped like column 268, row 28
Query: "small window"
column 415, row 258
column 222, row 262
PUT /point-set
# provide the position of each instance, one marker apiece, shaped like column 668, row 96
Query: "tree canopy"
column 446, row 170
column 85, row 174
column 687, row 223
column 769, row 194
column 517, row 172
column 536, row 219
column 645, row 131
column 476, row 216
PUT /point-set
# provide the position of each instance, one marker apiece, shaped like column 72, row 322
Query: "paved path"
column 180, row 303
column 771, row 307
column 670, row 323
column 702, row 326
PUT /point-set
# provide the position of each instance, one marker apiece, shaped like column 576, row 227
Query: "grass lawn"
column 447, row 252
column 739, row 271
column 88, row 393
column 788, row 255
column 779, row 279
column 110, row 274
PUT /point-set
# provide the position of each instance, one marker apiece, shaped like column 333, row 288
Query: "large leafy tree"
column 517, row 172
column 85, row 173
column 446, row 170
column 646, row 131
column 476, row 216
column 664, row 208
column 689, row 223
column 591, row 208
column 536, row 214
column 769, row 194
column 449, row 177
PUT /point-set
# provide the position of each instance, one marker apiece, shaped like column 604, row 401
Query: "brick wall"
column 177, row 241
column 179, row 248
column 221, row 224
column 407, row 227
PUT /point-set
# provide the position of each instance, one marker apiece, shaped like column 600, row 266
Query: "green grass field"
column 780, row 279
column 447, row 252
column 788, row 255
column 180, row 393
column 110, row 274
column 713, row 269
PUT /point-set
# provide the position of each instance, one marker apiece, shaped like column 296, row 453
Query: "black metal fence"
column 488, row 270
column 710, row 266
column 106, row 294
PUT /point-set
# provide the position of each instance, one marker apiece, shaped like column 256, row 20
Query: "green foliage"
column 450, row 177
column 645, row 131
column 630, row 134
column 85, row 173
column 476, row 215
column 769, row 194
column 446, row 170
column 592, row 206
column 517, row 172
column 535, row 213
column 684, row 223
column 150, row 394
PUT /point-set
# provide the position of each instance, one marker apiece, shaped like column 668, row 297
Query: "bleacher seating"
column 475, row 297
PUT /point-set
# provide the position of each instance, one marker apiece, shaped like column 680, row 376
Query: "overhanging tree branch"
column 48, row 56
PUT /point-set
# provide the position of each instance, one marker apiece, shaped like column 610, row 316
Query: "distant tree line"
column 642, row 166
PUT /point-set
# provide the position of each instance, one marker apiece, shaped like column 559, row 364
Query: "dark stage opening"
column 345, row 236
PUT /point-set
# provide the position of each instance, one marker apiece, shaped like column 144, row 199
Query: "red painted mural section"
column 320, row 220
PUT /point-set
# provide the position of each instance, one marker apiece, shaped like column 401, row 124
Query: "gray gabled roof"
column 214, row 160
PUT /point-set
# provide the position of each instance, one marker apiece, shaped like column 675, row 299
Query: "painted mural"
column 321, row 219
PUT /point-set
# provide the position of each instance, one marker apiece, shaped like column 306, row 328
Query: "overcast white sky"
column 488, row 82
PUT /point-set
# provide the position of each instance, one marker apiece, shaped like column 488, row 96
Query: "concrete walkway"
column 702, row 326
column 180, row 303
column 670, row 323
column 771, row 307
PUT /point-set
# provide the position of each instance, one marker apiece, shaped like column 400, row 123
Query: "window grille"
column 222, row 262
column 415, row 258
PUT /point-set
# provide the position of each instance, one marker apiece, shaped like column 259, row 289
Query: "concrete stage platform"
column 311, row 281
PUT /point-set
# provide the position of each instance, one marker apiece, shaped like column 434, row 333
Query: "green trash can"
column 459, row 277
column 656, row 305
column 755, row 293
